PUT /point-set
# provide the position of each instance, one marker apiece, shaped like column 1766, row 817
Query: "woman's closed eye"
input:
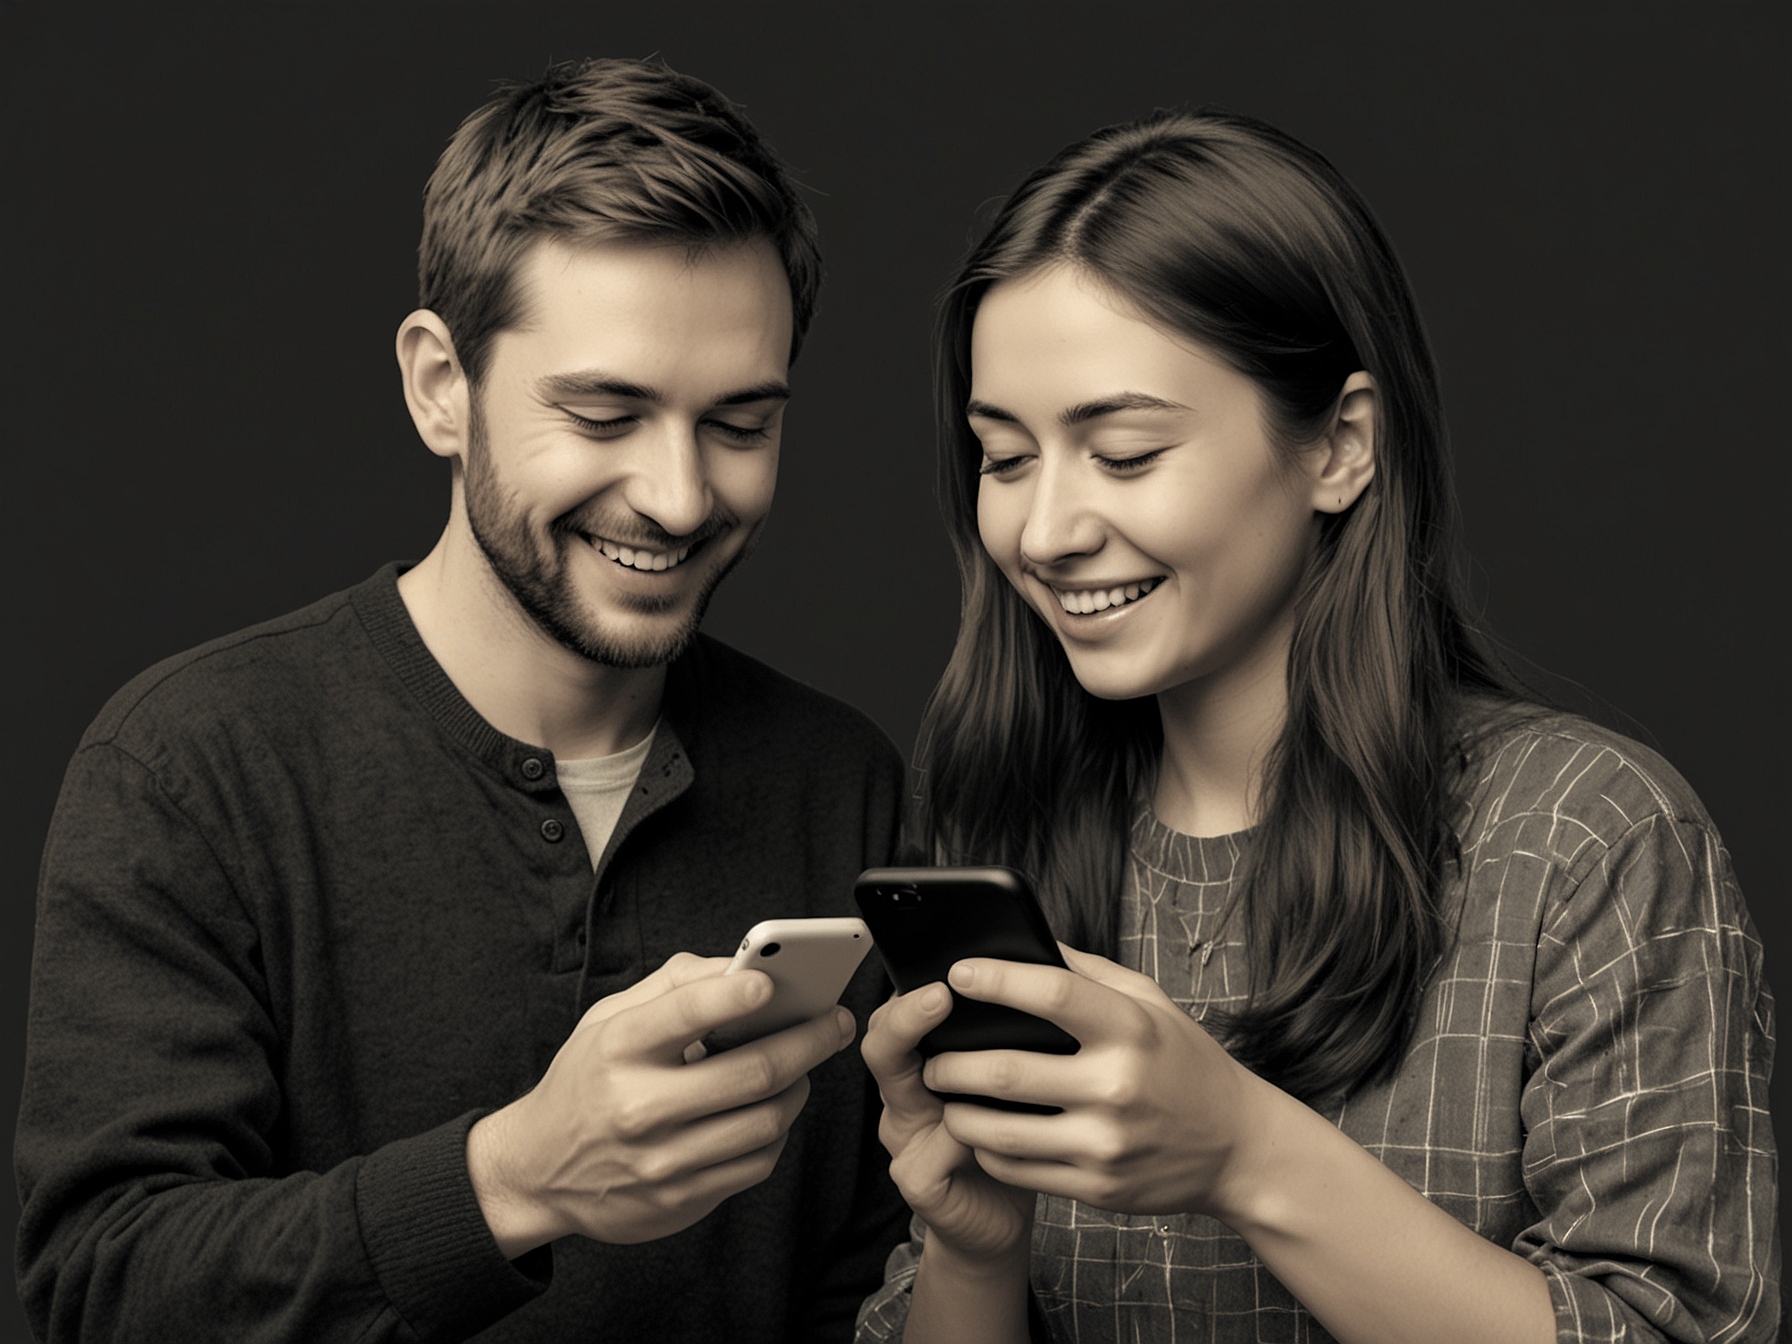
column 1121, row 465
column 1003, row 466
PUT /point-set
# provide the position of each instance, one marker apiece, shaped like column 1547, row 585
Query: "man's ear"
column 1343, row 460
column 435, row 387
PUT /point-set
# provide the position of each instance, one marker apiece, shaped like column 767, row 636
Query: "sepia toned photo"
column 947, row 674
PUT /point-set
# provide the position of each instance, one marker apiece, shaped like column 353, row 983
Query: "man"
column 346, row 1022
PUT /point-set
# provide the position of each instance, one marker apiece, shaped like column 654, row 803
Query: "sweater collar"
column 521, row 764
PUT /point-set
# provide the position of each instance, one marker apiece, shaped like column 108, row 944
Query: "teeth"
column 640, row 558
column 1085, row 601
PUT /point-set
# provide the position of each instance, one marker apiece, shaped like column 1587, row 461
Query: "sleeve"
column 1648, row 1146
column 147, row 1153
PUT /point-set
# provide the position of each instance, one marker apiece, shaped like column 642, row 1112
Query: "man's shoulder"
column 275, row 665
column 738, row 699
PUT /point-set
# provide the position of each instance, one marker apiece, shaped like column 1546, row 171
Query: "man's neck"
column 520, row 680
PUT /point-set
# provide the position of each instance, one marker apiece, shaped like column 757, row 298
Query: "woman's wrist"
column 1300, row 1191
column 987, row 1267
column 969, row 1296
column 1265, row 1175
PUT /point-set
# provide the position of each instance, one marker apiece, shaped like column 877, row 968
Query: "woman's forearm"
column 976, row 1302
column 1375, row 1261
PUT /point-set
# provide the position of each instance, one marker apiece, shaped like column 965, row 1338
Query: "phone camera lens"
column 771, row 949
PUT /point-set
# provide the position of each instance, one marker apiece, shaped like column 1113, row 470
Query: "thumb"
column 681, row 968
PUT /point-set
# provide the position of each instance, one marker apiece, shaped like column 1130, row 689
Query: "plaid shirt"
column 1587, row 1084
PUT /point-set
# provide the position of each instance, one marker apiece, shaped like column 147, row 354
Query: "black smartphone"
column 924, row 919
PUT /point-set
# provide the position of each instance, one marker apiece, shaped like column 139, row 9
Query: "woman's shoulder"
column 1588, row 785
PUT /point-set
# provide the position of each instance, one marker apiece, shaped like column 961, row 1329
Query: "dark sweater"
column 304, row 916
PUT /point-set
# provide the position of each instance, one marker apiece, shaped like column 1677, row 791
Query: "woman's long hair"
column 1227, row 231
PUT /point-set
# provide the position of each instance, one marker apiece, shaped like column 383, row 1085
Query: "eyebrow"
column 596, row 384
column 1084, row 411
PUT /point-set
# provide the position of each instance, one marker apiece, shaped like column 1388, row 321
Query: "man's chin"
column 632, row 631
column 616, row 625
column 629, row 640
column 636, row 629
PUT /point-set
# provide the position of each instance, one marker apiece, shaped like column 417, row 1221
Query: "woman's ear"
column 1343, row 460
column 435, row 387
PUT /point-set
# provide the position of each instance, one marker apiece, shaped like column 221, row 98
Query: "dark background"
column 211, row 218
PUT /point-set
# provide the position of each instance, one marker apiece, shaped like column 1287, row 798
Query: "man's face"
column 623, row 445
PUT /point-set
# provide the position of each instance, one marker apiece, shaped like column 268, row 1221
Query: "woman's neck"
column 1218, row 733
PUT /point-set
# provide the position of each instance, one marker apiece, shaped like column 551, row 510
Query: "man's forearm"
column 365, row 1251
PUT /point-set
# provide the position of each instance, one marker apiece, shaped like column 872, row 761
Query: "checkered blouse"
column 1587, row 1084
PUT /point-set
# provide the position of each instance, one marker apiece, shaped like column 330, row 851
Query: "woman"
column 1409, row 1011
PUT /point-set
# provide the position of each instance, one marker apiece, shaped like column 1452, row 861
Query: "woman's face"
column 1131, row 493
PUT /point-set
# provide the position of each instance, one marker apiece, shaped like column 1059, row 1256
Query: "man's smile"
column 640, row 557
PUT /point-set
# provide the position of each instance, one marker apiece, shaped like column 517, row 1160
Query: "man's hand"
column 624, row 1141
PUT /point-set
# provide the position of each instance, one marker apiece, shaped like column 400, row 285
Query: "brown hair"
column 1238, row 236
column 599, row 151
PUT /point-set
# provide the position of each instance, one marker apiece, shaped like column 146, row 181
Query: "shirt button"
column 552, row 830
column 533, row 769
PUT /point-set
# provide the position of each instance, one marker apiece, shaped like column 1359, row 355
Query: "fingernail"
column 935, row 997
column 758, row 988
column 962, row 975
column 843, row 1020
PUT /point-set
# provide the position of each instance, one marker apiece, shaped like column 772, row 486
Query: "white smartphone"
column 809, row 962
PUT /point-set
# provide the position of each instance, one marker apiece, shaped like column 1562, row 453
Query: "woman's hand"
column 966, row 1210
column 1156, row 1116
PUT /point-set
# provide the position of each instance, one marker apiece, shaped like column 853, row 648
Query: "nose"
column 670, row 482
column 1061, row 519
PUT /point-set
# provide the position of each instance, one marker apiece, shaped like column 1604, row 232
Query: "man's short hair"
column 599, row 151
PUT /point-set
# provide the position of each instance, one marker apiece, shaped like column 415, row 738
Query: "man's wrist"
column 519, row 1222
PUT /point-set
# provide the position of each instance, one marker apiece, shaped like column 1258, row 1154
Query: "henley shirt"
column 304, row 916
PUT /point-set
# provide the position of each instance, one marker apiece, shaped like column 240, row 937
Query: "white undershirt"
column 597, row 788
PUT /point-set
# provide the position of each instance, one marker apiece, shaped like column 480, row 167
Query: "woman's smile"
column 1095, row 599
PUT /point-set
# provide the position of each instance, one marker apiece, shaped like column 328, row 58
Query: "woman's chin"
column 1110, row 678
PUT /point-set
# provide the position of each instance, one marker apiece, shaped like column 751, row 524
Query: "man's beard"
column 542, row 584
